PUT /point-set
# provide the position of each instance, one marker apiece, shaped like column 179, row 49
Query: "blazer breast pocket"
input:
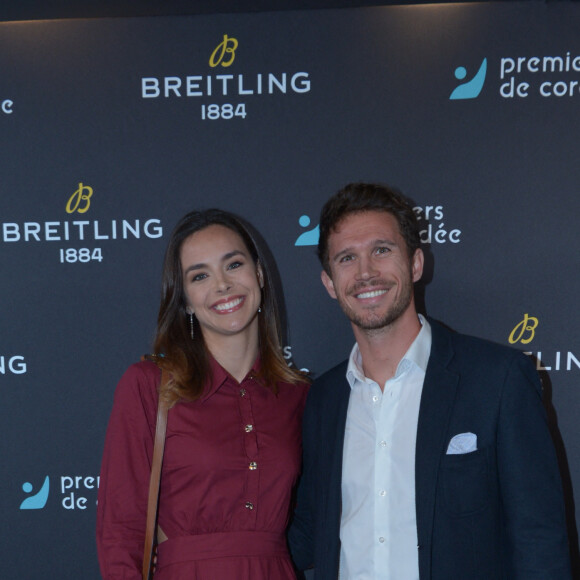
column 465, row 482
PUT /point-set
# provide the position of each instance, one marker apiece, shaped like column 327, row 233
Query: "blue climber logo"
column 472, row 88
column 39, row 499
column 310, row 237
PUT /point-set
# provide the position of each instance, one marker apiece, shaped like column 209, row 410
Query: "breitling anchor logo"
column 227, row 46
column 527, row 325
column 83, row 193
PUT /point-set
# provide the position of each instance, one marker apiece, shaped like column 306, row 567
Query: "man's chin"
column 376, row 322
column 371, row 323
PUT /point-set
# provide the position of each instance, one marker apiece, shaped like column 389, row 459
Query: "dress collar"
column 218, row 376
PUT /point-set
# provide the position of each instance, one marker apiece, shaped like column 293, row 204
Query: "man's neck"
column 381, row 350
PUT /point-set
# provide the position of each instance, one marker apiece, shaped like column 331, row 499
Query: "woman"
column 232, row 451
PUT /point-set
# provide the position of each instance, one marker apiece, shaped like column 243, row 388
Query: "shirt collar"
column 218, row 376
column 417, row 354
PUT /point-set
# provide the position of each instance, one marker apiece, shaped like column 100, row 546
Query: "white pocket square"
column 462, row 443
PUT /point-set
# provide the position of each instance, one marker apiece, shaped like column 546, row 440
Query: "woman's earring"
column 191, row 325
column 259, row 309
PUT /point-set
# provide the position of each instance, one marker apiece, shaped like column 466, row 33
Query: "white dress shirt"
column 378, row 529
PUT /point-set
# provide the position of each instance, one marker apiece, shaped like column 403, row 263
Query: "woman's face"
column 221, row 282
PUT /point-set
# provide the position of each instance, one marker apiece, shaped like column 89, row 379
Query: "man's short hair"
column 361, row 197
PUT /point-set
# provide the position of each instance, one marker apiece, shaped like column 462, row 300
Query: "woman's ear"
column 260, row 274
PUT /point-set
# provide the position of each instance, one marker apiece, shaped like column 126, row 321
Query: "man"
column 427, row 454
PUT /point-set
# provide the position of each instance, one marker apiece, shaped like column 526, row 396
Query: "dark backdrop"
column 96, row 169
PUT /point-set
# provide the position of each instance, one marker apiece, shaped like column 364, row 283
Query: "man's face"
column 372, row 275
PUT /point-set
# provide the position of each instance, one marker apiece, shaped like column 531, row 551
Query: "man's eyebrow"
column 343, row 252
column 374, row 243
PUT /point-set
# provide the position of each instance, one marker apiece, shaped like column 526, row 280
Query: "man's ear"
column 328, row 284
column 417, row 264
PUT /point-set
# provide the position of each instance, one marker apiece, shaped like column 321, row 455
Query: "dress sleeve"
column 125, row 471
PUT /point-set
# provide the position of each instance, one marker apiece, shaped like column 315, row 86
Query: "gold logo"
column 527, row 325
column 228, row 46
column 79, row 195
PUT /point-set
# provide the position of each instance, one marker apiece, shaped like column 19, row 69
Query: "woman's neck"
column 235, row 353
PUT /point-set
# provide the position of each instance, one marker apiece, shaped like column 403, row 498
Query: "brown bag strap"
column 154, row 481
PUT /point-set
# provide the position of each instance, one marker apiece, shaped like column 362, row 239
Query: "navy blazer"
column 496, row 513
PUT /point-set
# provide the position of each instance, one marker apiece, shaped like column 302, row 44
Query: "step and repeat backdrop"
column 112, row 129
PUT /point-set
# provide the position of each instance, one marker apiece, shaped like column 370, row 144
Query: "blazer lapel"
column 333, row 424
column 336, row 447
column 437, row 400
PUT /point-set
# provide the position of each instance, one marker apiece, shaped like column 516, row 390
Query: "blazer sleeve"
column 125, row 471
column 529, row 479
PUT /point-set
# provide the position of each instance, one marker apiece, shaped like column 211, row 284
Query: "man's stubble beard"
column 373, row 322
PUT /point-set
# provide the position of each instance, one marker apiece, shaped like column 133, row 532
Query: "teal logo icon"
column 310, row 237
column 39, row 499
column 469, row 89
